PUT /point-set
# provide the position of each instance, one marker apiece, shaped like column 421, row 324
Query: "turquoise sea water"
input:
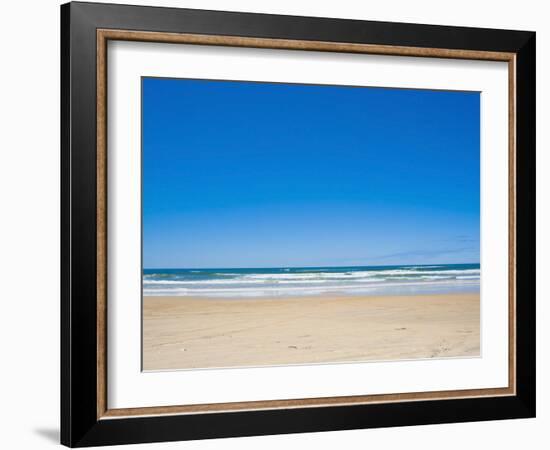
column 293, row 281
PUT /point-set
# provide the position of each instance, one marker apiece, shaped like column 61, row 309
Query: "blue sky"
column 240, row 174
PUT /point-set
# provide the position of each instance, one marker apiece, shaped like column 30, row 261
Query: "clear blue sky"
column 240, row 174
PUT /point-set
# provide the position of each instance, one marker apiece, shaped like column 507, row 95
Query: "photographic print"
column 293, row 224
column 321, row 221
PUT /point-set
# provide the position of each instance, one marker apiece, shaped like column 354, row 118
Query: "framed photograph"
column 276, row 224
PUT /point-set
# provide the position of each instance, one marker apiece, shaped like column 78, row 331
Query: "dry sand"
column 190, row 332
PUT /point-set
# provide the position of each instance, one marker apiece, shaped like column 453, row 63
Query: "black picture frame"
column 80, row 425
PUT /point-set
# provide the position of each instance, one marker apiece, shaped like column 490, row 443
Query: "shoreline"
column 425, row 291
column 311, row 281
column 212, row 332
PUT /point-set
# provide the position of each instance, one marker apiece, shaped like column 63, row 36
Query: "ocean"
column 307, row 281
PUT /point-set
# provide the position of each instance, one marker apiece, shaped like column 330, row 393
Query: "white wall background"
column 29, row 225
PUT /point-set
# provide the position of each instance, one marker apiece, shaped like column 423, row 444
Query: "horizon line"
column 313, row 267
